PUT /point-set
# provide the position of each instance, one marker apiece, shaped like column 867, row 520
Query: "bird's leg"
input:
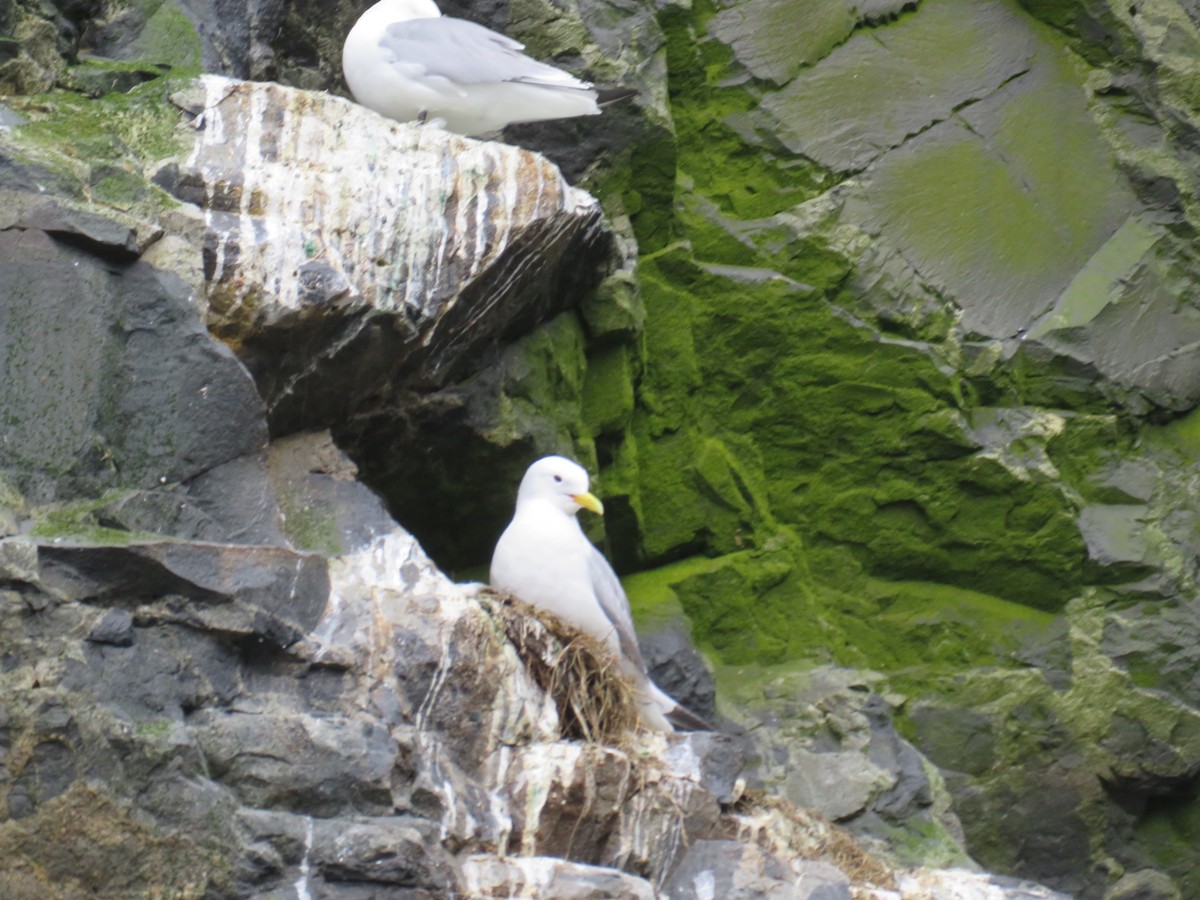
column 426, row 122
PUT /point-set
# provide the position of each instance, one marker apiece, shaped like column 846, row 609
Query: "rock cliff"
column 876, row 320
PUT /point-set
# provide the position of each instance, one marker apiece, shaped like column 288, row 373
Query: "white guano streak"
column 301, row 883
column 371, row 202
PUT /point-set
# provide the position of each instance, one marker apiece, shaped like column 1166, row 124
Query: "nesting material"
column 595, row 701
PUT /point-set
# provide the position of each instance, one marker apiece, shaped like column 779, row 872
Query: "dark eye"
column 558, row 478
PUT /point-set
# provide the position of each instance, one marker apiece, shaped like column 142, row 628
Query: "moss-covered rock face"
column 915, row 284
column 854, row 441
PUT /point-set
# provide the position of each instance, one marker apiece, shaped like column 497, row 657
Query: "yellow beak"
column 589, row 501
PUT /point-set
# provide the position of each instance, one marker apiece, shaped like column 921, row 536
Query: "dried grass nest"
column 595, row 701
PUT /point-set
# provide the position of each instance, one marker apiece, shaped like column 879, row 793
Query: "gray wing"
column 466, row 53
column 615, row 605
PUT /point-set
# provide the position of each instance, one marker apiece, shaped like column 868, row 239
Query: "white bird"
column 407, row 61
column 544, row 559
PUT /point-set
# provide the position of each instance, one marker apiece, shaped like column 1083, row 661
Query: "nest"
column 595, row 701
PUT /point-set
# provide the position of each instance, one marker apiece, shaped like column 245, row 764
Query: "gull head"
column 560, row 482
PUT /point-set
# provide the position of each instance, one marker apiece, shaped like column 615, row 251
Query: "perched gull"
column 407, row 61
column 544, row 559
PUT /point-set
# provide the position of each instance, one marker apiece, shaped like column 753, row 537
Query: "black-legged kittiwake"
column 544, row 559
column 407, row 61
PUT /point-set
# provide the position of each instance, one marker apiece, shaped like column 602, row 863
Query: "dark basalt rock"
column 142, row 397
column 115, row 628
column 678, row 668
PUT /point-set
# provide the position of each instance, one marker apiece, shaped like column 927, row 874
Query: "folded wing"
column 615, row 605
column 466, row 53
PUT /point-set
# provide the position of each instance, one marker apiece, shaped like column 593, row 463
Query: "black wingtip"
column 609, row 96
column 686, row 720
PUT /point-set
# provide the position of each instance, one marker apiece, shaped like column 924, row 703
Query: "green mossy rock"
column 898, row 424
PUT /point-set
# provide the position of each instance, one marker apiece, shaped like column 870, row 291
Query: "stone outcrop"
column 419, row 250
column 260, row 719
